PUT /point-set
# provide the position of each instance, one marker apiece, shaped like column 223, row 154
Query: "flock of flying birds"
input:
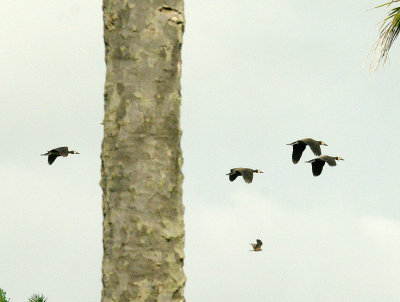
column 298, row 148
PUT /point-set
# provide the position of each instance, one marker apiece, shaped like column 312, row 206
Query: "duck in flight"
column 300, row 145
column 60, row 151
column 246, row 173
column 319, row 162
column 256, row 246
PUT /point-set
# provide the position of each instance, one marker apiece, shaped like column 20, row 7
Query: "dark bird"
column 256, row 246
column 318, row 163
column 300, row 145
column 60, row 151
column 245, row 172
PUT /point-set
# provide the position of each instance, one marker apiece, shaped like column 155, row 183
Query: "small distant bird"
column 300, row 145
column 256, row 246
column 318, row 163
column 60, row 151
column 245, row 172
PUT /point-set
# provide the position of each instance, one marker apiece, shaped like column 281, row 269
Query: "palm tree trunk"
column 143, row 229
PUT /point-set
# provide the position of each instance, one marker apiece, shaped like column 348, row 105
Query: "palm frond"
column 388, row 33
column 3, row 297
column 37, row 298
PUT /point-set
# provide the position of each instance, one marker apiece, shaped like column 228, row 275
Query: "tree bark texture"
column 143, row 229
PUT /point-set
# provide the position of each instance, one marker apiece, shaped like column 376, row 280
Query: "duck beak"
column 325, row 144
column 261, row 172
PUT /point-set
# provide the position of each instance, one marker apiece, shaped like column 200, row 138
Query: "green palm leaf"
column 3, row 297
column 37, row 298
column 388, row 33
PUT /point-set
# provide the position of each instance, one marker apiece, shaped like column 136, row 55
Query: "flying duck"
column 60, row 151
column 245, row 172
column 318, row 163
column 300, row 145
column 256, row 246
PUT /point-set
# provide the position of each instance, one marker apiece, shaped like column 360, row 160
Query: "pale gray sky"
column 256, row 75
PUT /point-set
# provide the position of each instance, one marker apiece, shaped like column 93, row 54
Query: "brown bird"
column 60, row 151
column 300, row 145
column 318, row 163
column 256, row 246
column 246, row 173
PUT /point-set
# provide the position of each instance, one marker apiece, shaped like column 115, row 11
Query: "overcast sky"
column 256, row 76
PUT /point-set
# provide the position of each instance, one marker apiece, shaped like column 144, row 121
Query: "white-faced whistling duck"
column 245, row 172
column 318, row 163
column 300, row 145
column 60, row 151
column 256, row 246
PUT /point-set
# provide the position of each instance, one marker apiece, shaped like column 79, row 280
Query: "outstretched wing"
column 331, row 161
column 317, row 167
column 315, row 148
column 51, row 158
column 62, row 151
column 232, row 177
column 298, row 151
column 247, row 175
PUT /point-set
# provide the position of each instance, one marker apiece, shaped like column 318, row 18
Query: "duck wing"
column 247, row 175
column 62, row 151
column 330, row 160
column 52, row 158
column 315, row 148
column 232, row 177
column 317, row 167
column 298, row 149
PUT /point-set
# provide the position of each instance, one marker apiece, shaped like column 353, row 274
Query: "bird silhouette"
column 300, row 145
column 246, row 173
column 319, row 162
column 56, row 152
column 256, row 246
